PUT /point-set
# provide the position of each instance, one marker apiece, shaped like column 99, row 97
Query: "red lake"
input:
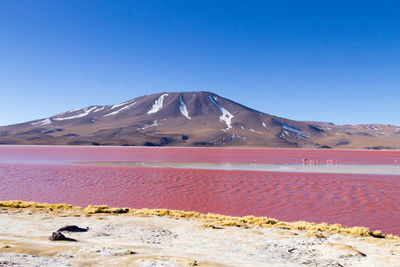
column 79, row 176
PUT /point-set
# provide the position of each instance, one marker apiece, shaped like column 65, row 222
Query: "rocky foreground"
column 33, row 234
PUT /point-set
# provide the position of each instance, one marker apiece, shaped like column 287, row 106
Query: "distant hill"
column 193, row 119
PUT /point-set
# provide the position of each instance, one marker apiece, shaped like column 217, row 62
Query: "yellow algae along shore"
column 214, row 219
column 161, row 237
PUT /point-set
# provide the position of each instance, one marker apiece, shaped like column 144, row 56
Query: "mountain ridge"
column 198, row 118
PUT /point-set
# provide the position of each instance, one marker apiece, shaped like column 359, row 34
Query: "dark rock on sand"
column 72, row 228
column 57, row 236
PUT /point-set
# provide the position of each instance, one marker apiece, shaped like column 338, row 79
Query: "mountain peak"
column 198, row 118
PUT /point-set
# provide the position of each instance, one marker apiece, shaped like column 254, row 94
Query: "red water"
column 172, row 154
column 44, row 174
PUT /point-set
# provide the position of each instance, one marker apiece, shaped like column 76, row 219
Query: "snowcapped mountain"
column 192, row 119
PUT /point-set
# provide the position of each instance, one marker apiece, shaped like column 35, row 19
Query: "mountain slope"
column 192, row 119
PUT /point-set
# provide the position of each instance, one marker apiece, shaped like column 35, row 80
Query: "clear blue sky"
column 336, row 61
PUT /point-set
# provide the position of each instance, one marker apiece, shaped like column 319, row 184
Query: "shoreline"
column 216, row 219
column 161, row 237
column 296, row 168
column 213, row 147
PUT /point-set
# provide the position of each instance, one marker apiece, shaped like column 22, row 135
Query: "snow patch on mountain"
column 85, row 112
column 119, row 110
column 372, row 127
column 155, row 123
column 294, row 130
column 71, row 110
column 265, row 126
column 254, row 131
column 98, row 109
column 183, row 109
column 158, row 104
column 42, row 122
column 323, row 127
column 124, row 103
column 284, row 133
column 226, row 115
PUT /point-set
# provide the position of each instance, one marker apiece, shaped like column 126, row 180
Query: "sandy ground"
column 128, row 240
column 339, row 168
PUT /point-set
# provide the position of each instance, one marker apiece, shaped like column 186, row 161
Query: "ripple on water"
column 350, row 199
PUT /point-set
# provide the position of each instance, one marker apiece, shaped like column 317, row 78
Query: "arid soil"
column 126, row 239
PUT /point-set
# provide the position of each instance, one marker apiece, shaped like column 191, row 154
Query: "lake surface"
column 139, row 177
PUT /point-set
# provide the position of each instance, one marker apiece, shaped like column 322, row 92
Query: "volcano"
column 192, row 119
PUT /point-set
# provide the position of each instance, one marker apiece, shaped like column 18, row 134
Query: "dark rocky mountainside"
column 192, row 119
